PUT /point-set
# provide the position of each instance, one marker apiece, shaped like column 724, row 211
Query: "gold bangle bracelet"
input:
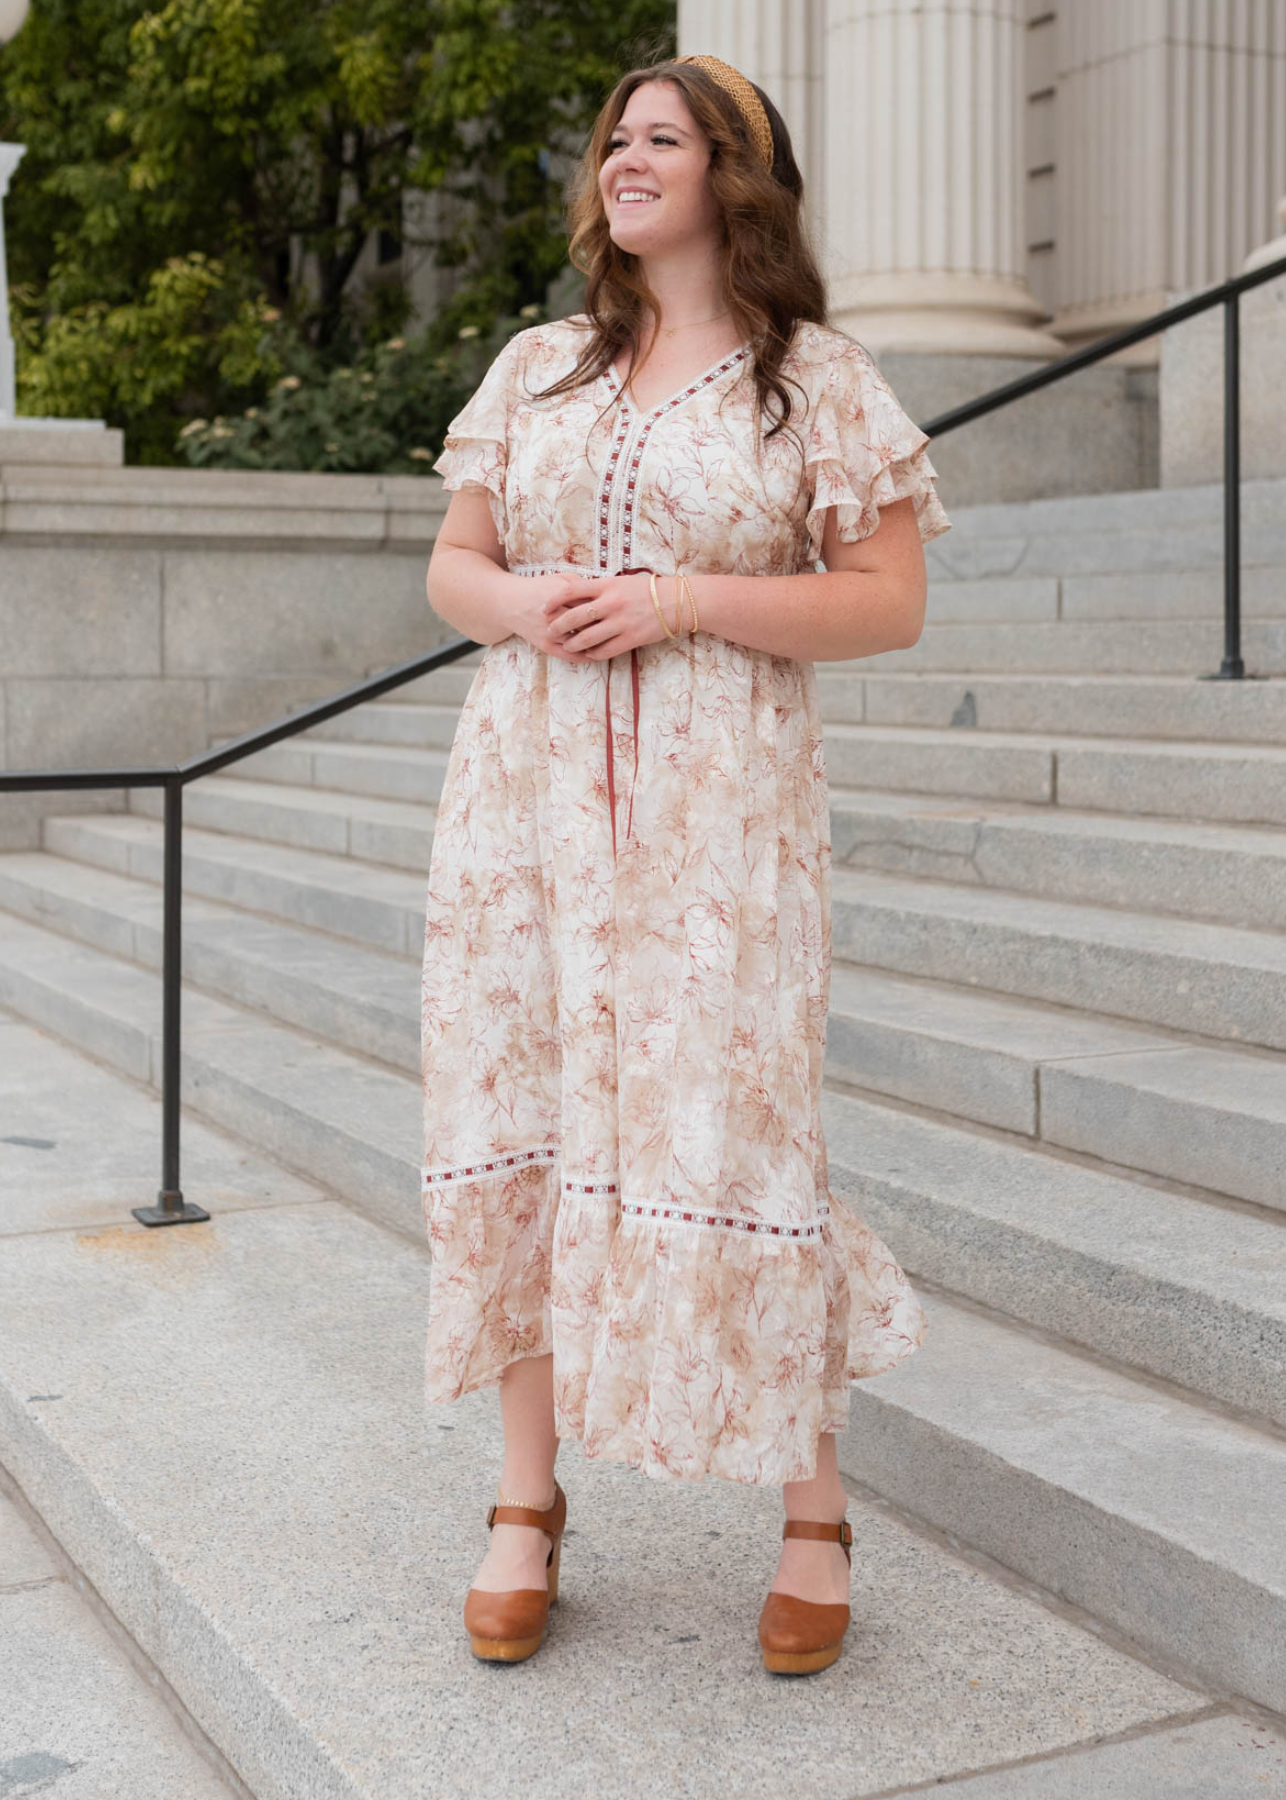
column 657, row 605
column 692, row 602
column 678, row 603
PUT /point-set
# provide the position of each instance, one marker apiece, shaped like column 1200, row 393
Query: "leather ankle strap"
column 840, row 1532
column 501, row 1514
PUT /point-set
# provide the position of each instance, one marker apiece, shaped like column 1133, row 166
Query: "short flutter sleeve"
column 862, row 452
column 476, row 450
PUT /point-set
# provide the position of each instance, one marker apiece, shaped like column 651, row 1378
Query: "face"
column 657, row 149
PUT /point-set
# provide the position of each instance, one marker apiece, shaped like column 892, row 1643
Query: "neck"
column 686, row 284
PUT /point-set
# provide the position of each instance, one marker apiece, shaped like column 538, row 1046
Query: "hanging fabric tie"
column 607, row 696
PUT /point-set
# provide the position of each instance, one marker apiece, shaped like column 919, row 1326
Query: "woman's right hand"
column 529, row 614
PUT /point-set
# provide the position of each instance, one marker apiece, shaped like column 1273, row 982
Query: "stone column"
column 924, row 178
column 777, row 43
column 1170, row 128
column 10, row 156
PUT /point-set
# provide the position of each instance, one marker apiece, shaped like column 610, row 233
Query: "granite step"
column 1157, row 1102
column 1051, row 1461
column 1228, row 874
column 1232, row 783
column 1217, row 981
column 1156, row 509
column 1081, row 647
column 1186, row 649
column 76, row 1710
column 1187, row 1290
column 364, row 902
column 186, row 1502
column 1173, row 707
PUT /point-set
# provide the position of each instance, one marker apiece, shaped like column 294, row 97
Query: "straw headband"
column 748, row 103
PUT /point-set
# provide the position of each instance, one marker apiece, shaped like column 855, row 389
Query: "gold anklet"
column 504, row 1500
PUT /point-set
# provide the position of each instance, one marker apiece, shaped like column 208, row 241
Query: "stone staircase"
column 1056, row 1053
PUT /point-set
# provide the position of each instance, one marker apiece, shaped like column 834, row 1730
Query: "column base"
column 940, row 312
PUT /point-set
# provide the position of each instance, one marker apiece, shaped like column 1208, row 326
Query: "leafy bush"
column 385, row 413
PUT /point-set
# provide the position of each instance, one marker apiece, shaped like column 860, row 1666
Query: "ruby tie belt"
column 607, row 710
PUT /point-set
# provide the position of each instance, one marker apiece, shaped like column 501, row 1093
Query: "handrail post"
column 171, row 1208
column 1232, row 668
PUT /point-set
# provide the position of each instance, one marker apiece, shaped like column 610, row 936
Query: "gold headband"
column 748, row 103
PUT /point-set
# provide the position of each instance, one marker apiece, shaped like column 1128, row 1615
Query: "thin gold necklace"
column 669, row 331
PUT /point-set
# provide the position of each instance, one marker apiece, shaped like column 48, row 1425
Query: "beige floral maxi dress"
column 628, row 936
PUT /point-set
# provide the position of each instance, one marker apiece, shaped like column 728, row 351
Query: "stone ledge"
column 33, row 444
column 277, row 509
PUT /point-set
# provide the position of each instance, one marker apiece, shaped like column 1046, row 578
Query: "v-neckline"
column 620, row 388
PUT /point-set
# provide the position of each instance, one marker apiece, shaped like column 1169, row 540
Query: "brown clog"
column 509, row 1626
column 798, row 1637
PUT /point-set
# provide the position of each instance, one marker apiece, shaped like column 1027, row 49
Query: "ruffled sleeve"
column 862, row 452
column 476, row 450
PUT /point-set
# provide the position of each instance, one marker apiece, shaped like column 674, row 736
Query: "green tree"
column 202, row 177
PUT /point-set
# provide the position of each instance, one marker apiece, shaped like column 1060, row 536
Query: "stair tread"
column 1237, row 1256
column 323, row 1691
column 1035, row 915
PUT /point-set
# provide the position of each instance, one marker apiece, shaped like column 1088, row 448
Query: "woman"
column 627, row 948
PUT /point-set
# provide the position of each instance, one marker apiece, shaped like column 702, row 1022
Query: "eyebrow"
column 656, row 123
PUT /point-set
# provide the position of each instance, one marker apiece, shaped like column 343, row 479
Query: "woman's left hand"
column 602, row 616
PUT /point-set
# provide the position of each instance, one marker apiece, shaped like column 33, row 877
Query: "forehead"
column 658, row 103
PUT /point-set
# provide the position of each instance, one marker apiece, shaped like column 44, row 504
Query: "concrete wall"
column 145, row 614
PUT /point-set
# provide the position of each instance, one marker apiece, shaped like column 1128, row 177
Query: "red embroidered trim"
column 496, row 1165
column 758, row 1227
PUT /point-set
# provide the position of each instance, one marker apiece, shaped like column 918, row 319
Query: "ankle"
column 527, row 1493
column 827, row 1512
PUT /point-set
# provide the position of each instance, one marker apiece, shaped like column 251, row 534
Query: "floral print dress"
column 628, row 936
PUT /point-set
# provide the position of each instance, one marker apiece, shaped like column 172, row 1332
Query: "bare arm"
column 468, row 580
column 870, row 599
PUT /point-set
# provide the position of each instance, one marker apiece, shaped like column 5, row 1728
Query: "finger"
column 574, row 621
column 575, row 594
column 590, row 635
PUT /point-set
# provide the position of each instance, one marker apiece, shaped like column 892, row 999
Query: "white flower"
column 289, row 381
column 529, row 312
column 252, row 412
column 191, row 426
column 221, row 431
column 396, row 344
column 421, row 455
column 468, row 331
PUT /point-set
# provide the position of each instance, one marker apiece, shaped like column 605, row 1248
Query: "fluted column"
column 10, row 156
column 777, row 43
column 924, row 178
column 1170, row 132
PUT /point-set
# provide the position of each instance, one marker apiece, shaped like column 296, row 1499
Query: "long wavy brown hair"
column 770, row 275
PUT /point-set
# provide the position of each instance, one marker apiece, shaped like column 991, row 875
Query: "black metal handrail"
column 1227, row 294
column 171, row 1208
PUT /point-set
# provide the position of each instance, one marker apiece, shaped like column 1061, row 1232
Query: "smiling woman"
column 625, row 992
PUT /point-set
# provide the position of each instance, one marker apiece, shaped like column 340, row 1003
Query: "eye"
column 657, row 138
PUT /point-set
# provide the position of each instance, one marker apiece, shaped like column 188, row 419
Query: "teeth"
column 629, row 195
